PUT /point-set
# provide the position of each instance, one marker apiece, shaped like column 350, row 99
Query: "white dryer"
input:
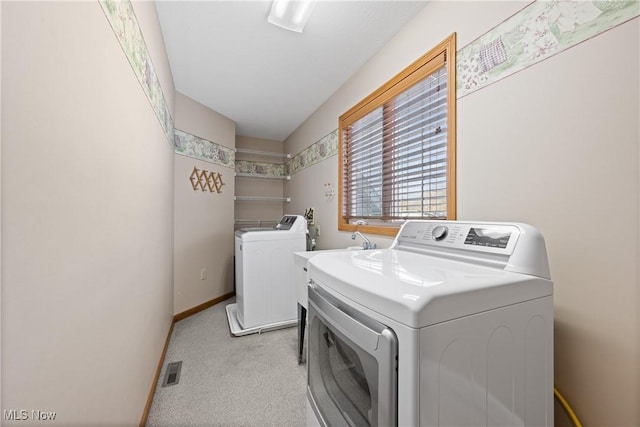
column 265, row 291
column 450, row 326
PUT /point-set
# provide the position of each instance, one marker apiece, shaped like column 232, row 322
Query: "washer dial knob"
column 439, row 233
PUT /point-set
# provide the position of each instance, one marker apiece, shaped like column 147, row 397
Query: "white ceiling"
column 225, row 55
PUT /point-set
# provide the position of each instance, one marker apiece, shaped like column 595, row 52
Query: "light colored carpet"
column 253, row 380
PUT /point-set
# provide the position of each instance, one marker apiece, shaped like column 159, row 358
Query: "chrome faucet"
column 367, row 243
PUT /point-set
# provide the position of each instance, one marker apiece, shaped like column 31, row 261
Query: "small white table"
column 301, row 279
column 301, row 259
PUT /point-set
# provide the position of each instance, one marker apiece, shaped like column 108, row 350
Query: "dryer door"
column 352, row 365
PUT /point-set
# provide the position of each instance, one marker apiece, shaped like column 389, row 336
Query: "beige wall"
column 0, row 209
column 87, row 216
column 555, row 145
column 572, row 168
column 203, row 220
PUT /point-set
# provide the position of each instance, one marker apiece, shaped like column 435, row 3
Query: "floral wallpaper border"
column 190, row 145
column 320, row 150
column 261, row 168
column 540, row 30
column 124, row 23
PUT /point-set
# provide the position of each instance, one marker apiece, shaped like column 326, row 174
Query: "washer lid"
column 241, row 231
column 420, row 290
column 272, row 234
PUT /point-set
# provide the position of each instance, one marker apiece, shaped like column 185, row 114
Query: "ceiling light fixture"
column 291, row 15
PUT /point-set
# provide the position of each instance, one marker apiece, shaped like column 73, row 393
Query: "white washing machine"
column 450, row 326
column 265, row 291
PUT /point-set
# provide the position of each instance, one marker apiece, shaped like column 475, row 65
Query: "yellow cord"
column 567, row 408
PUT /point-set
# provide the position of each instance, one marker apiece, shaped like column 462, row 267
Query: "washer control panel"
column 480, row 237
column 286, row 222
column 514, row 247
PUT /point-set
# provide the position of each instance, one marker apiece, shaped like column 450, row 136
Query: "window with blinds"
column 398, row 148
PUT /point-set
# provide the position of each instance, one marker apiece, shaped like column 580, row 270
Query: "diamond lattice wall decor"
column 205, row 180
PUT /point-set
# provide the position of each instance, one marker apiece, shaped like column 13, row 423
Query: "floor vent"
column 172, row 375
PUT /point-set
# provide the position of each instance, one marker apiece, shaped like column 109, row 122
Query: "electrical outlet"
column 203, row 274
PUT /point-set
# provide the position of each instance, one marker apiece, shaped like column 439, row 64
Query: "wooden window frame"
column 405, row 79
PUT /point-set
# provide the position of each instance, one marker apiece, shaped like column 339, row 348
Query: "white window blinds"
column 395, row 156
